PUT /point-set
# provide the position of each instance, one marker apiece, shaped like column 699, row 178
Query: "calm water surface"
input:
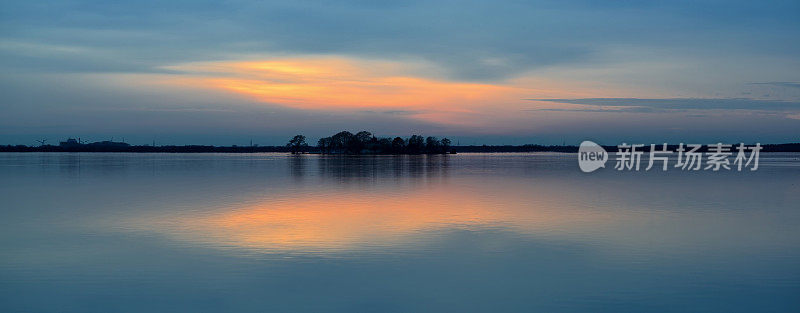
column 468, row 232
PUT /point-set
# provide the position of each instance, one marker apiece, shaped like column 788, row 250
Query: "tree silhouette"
column 345, row 142
column 324, row 144
column 432, row 145
column 297, row 144
column 360, row 141
column 341, row 141
column 446, row 142
column 415, row 144
column 446, row 145
column 398, row 145
column 364, row 136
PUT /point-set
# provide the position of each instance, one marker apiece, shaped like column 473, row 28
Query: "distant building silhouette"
column 70, row 143
column 73, row 143
column 109, row 144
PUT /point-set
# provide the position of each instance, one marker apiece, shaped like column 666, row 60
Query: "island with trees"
column 365, row 142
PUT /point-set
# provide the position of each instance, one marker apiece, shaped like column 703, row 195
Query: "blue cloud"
column 683, row 104
column 479, row 40
column 779, row 84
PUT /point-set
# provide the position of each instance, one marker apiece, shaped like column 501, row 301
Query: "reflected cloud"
column 356, row 220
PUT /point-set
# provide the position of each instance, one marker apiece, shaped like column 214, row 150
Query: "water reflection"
column 335, row 204
column 337, row 219
column 297, row 165
column 471, row 232
column 368, row 169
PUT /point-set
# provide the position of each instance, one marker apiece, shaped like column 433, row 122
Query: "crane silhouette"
column 41, row 142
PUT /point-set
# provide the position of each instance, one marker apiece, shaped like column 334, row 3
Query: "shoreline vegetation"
column 365, row 142
column 342, row 143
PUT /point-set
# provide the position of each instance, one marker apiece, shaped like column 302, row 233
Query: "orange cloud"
column 338, row 83
column 341, row 84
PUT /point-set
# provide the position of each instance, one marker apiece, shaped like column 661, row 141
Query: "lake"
column 116, row 232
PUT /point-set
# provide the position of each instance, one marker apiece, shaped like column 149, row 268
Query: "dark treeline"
column 419, row 145
column 365, row 142
column 783, row 147
column 145, row 149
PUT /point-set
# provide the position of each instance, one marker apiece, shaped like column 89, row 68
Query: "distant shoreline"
column 785, row 147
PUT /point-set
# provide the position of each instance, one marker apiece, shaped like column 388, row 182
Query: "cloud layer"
column 648, row 105
column 453, row 67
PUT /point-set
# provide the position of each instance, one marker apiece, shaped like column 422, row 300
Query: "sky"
column 478, row 72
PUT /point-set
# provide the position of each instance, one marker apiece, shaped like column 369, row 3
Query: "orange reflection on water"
column 347, row 220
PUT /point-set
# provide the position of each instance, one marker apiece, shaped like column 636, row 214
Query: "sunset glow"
column 399, row 156
column 338, row 83
column 346, row 84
